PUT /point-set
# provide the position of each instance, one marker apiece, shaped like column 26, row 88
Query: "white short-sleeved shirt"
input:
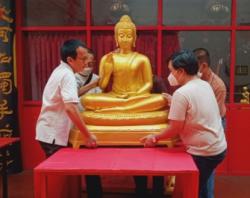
column 80, row 80
column 53, row 123
column 195, row 103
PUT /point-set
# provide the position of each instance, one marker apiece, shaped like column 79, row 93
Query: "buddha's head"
column 245, row 88
column 125, row 32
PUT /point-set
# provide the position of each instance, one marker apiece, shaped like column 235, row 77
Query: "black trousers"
column 93, row 182
column 141, row 187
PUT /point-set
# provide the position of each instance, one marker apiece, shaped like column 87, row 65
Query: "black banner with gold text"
column 8, row 90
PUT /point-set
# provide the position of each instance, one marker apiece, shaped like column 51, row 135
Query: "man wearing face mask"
column 218, row 86
column 86, row 80
column 206, row 73
column 194, row 116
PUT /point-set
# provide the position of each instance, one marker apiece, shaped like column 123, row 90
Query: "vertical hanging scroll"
column 8, row 90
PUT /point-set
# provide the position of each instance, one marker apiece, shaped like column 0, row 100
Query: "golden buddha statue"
column 129, row 110
column 245, row 96
column 132, row 77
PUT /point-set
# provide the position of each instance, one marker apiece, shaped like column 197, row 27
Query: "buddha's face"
column 125, row 38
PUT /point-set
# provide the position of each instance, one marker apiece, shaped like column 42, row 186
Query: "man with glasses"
column 59, row 107
column 87, row 81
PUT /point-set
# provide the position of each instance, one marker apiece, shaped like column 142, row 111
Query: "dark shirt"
column 158, row 85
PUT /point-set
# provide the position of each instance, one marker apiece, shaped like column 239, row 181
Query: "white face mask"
column 199, row 74
column 172, row 80
column 86, row 71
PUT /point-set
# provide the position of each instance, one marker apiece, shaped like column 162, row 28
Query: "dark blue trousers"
column 206, row 166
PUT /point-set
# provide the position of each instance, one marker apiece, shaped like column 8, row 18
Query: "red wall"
column 239, row 140
column 32, row 154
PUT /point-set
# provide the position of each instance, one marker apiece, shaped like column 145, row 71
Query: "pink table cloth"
column 120, row 161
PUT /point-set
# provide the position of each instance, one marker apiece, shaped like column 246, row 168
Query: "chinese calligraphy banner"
column 8, row 91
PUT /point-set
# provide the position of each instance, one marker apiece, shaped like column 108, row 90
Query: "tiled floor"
column 21, row 186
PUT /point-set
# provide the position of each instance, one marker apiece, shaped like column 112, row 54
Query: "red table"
column 120, row 161
column 4, row 144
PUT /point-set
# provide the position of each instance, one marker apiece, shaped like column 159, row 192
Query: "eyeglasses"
column 82, row 59
column 91, row 64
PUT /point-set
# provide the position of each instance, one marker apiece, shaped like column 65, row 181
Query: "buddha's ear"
column 134, row 41
column 116, row 41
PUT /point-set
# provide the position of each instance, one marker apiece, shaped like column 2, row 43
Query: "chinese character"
column 4, row 58
column 3, row 33
column 6, row 131
column 4, row 109
column 9, row 161
column 5, row 82
column 4, row 13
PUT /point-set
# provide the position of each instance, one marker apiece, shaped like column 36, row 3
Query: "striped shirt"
column 220, row 91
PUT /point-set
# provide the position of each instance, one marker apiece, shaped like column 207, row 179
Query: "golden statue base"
column 123, row 136
column 125, row 119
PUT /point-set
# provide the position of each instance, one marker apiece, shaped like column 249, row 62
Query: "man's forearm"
column 87, row 87
column 174, row 128
column 74, row 115
column 166, row 134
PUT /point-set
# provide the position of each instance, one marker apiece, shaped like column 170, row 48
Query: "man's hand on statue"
column 168, row 97
column 84, row 89
column 91, row 141
column 94, row 83
column 149, row 140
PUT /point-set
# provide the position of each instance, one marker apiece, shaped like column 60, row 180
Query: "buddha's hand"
column 128, row 95
column 109, row 64
column 167, row 97
column 91, row 141
column 149, row 140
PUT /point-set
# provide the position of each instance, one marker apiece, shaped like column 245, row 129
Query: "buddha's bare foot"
column 123, row 96
column 138, row 97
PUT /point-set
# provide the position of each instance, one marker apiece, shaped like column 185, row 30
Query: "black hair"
column 90, row 51
column 69, row 47
column 186, row 60
column 202, row 55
